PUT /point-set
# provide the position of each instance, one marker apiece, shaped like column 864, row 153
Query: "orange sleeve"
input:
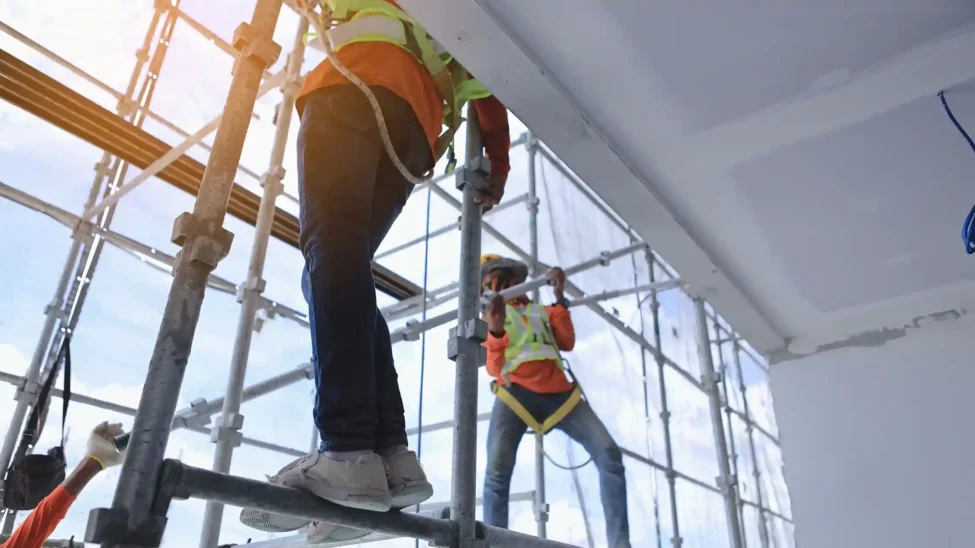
column 493, row 117
column 495, row 353
column 562, row 328
column 42, row 521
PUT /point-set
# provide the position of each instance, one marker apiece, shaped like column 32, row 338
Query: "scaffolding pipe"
column 466, row 339
column 449, row 228
column 605, row 295
column 733, row 455
column 227, row 433
column 541, row 507
column 129, row 411
column 762, row 518
column 135, row 112
column 177, row 152
column 425, row 509
column 204, row 243
column 143, row 252
column 411, row 331
column 191, row 482
column 53, row 311
column 676, row 539
column 726, row 481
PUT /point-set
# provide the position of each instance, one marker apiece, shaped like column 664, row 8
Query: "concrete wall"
column 879, row 443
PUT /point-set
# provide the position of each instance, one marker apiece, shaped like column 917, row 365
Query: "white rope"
column 312, row 16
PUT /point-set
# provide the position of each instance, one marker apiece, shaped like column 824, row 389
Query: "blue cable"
column 967, row 230
column 423, row 340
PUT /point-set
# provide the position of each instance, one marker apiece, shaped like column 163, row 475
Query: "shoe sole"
column 412, row 495
column 271, row 523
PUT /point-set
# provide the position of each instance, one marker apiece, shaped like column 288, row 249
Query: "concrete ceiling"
column 793, row 163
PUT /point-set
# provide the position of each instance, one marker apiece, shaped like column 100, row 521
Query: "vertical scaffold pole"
column 711, row 381
column 226, row 434
column 466, row 338
column 541, row 507
column 676, row 540
column 729, row 413
column 55, row 309
column 762, row 516
column 134, row 517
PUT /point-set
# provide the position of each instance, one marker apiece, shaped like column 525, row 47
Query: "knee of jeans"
column 610, row 458
column 496, row 480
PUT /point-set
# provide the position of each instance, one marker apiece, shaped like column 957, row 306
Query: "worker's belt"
column 540, row 428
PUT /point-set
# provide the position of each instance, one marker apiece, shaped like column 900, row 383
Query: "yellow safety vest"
column 530, row 338
column 380, row 21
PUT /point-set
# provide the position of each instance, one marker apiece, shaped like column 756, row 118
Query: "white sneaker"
column 320, row 532
column 408, row 483
column 357, row 484
column 262, row 520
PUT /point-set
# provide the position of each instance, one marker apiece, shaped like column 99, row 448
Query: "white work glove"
column 101, row 445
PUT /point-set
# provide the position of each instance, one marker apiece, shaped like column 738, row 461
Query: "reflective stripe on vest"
column 528, row 341
column 380, row 21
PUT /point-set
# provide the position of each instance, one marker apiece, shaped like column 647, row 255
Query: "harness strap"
column 555, row 418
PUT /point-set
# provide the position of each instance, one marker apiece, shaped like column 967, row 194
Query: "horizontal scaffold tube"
column 412, row 331
column 192, row 482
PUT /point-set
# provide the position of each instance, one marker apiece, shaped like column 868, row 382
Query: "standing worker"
column 523, row 346
column 350, row 192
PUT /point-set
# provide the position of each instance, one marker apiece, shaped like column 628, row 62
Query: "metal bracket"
column 272, row 180
column 228, row 428
column 201, row 240
column 477, row 173
column 197, row 418
column 102, row 169
column 541, row 512
column 677, row 542
column 670, row 474
column 411, row 334
column 27, row 388
column 475, row 331
column 111, row 526
column 604, row 258
column 254, row 285
column 532, row 205
column 250, row 46
column 665, row 416
column 726, row 483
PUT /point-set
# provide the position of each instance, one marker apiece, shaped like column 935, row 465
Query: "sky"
column 115, row 337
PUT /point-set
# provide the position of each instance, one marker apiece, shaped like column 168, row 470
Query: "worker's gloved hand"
column 558, row 280
column 491, row 196
column 101, row 445
column 495, row 315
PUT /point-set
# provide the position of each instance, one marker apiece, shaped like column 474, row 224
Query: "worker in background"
column 531, row 388
column 101, row 454
column 350, row 194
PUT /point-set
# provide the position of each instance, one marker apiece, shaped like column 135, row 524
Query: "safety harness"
column 357, row 21
column 530, row 338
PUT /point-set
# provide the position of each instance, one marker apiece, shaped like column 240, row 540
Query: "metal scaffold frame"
column 148, row 482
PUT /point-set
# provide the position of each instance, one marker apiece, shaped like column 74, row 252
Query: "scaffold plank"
column 26, row 87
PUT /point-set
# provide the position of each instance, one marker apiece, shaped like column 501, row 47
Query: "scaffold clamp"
column 228, row 428
column 249, row 45
column 477, row 173
column 202, row 240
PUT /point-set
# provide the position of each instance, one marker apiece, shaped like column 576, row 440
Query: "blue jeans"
column 350, row 193
column 582, row 425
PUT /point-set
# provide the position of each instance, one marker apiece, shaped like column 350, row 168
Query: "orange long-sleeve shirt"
column 392, row 67
column 541, row 376
column 42, row 520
